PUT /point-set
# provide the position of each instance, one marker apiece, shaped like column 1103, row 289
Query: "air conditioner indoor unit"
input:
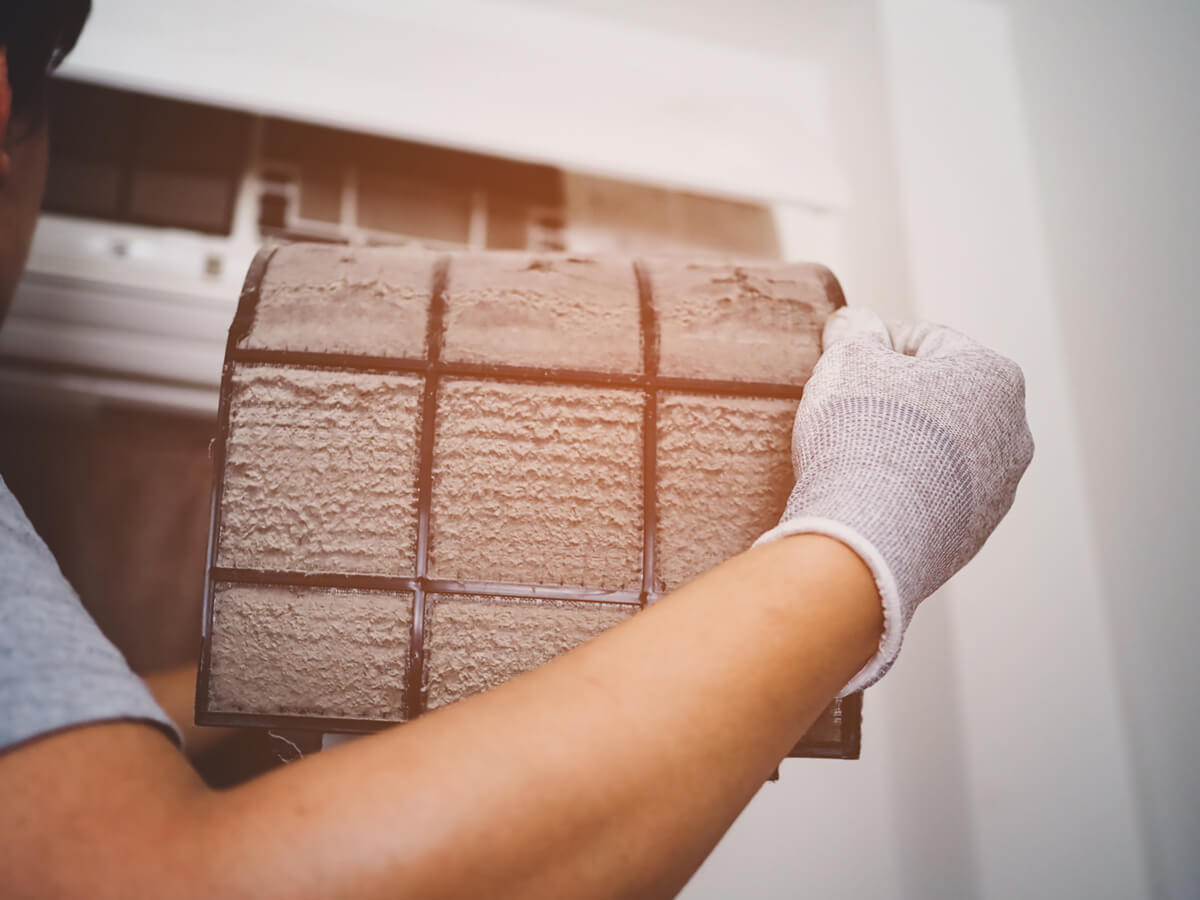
column 150, row 221
column 120, row 312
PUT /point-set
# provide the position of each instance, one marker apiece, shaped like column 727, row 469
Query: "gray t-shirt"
column 56, row 669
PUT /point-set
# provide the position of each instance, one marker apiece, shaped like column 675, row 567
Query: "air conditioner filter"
column 435, row 472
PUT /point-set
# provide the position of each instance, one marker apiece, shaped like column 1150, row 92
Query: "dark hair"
column 37, row 35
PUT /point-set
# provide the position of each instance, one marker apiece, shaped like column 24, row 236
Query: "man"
column 611, row 771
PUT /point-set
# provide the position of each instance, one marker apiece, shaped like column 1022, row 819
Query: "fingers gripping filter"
column 436, row 472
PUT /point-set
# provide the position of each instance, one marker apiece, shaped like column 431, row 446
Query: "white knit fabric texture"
column 908, row 446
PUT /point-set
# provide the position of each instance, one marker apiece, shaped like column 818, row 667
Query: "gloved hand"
column 908, row 446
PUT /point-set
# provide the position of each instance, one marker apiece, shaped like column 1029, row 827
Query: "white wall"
column 1052, row 802
column 1110, row 93
column 1091, row 201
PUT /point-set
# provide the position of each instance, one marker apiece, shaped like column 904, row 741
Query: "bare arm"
column 612, row 771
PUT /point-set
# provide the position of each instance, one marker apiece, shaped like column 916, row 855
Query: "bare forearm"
column 612, row 771
column 609, row 772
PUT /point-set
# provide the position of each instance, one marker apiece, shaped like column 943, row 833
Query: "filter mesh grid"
column 645, row 414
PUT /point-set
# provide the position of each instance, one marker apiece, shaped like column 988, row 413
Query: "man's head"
column 35, row 35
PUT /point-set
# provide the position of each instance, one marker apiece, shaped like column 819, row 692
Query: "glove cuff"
column 893, row 611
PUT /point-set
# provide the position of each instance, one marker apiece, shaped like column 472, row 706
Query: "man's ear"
column 5, row 109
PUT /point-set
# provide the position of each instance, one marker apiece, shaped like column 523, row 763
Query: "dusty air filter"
column 436, row 472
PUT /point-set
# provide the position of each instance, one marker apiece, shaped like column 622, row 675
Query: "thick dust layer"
column 310, row 652
column 537, row 484
column 523, row 310
column 741, row 323
column 321, row 471
column 474, row 643
column 724, row 475
column 371, row 301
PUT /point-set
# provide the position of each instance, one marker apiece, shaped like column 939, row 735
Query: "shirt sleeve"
column 57, row 670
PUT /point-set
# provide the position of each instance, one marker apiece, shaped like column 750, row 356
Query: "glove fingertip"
column 854, row 323
column 928, row 339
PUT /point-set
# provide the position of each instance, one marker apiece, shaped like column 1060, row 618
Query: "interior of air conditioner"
column 155, row 206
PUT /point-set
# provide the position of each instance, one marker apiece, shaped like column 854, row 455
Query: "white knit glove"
column 908, row 446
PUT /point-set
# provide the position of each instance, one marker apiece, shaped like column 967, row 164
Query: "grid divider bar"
column 295, row 722
column 398, row 583
column 542, row 375
column 334, row 580
column 530, row 591
column 761, row 389
column 415, row 689
column 848, row 749
column 347, row 725
column 312, row 359
column 321, row 359
column 650, row 353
